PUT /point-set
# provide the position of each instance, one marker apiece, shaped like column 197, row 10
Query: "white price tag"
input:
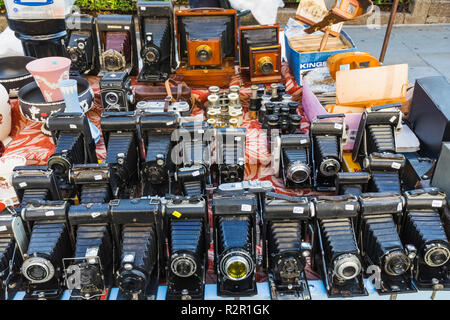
column 237, row 138
column 127, row 28
column 169, row 123
column 3, row 228
column 393, row 119
column 396, row 165
column 436, row 203
column 95, row 214
column 98, row 177
column 195, row 173
column 399, row 206
column 22, row 184
column 201, row 131
column 303, row 141
column 338, row 126
column 72, row 126
column 246, row 208
column 349, row 207
column 298, row 210
column 50, row 213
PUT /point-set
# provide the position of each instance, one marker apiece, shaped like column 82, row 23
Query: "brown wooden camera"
column 260, row 53
column 206, row 45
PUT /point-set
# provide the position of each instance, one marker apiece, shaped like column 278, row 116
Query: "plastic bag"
column 264, row 11
column 12, row 46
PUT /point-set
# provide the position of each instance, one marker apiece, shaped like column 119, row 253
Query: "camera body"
column 82, row 47
column 336, row 253
column 230, row 150
column 116, row 92
column 327, row 137
column 423, row 227
column 138, row 223
column 92, row 182
column 285, row 249
column 187, row 229
column 234, row 225
column 260, row 52
column 123, row 149
column 50, row 242
column 207, row 50
column 380, row 219
column 157, row 171
column 296, row 161
column 89, row 271
column 118, row 49
column 157, row 39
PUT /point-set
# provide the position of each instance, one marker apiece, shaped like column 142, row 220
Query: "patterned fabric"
column 36, row 147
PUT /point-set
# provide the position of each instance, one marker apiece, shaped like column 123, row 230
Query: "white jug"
column 5, row 117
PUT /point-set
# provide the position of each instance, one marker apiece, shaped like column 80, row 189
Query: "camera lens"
column 183, row 266
column 396, row 263
column 347, row 266
column 329, row 167
column 203, row 53
column 436, row 255
column 73, row 56
column 38, row 270
column 289, row 268
column 265, row 65
column 237, row 265
column 111, row 98
column 151, row 55
column 298, row 172
column 132, row 281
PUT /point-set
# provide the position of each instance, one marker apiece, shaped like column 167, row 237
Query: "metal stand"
column 388, row 30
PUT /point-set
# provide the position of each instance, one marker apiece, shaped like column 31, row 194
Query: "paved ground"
column 426, row 48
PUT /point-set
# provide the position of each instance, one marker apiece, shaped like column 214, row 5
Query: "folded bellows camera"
column 157, row 40
column 82, row 47
column 116, row 92
column 118, row 50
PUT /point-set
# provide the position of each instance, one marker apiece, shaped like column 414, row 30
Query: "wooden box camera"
column 118, row 48
column 206, row 45
column 260, row 53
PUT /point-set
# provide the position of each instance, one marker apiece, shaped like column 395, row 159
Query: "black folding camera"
column 157, row 129
column 82, row 48
column 35, row 183
column 89, row 271
column 187, row 229
column 423, row 228
column 139, row 225
column 285, row 249
column 230, row 149
column 375, row 147
column 118, row 48
column 352, row 183
column 123, row 145
column 234, row 225
column 92, row 182
column 157, row 40
column 50, row 242
column 337, row 256
column 73, row 144
column 380, row 244
column 296, row 160
column 194, row 166
column 327, row 137
column 116, row 92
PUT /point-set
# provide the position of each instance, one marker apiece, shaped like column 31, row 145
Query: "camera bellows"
column 94, row 194
column 341, row 249
column 284, row 250
column 69, row 150
column 158, row 152
column 139, row 256
column 296, row 165
column 383, row 245
column 49, row 245
column 380, row 138
column 159, row 31
column 327, row 154
column 425, row 231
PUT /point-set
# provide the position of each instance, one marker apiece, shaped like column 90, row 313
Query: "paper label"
column 246, row 207
column 50, row 213
column 436, row 203
column 298, row 210
column 393, row 119
column 98, row 177
column 72, row 126
column 399, row 206
column 95, row 214
column 195, row 173
column 22, row 184
column 349, row 207
column 176, row 214
column 169, row 123
column 396, row 165
column 3, row 228
column 338, row 126
column 303, row 141
column 237, row 138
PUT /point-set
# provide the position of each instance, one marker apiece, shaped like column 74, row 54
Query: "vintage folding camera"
column 187, row 230
column 50, row 242
column 82, row 48
column 327, row 137
column 157, row 40
column 352, row 183
column 92, row 182
column 73, row 145
column 116, row 92
column 118, row 48
column 89, row 271
column 296, row 161
column 230, row 150
column 375, row 147
column 336, row 253
column 380, row 244
column 285, row 249
column 10, row 253
column 34, row 183
column 206, row 45
column 139, row 225
column 157, row 171
column 260, row 52
column 234, row 226
column 123, row 149
column 194, row 166
column 423, row 228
